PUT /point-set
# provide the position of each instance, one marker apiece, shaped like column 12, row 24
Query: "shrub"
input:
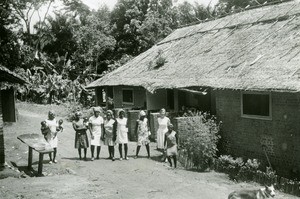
column 237, row 169
column 229, row 165
column 248, row 170
column 200, row 142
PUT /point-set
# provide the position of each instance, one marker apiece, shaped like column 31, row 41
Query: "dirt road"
column 134, row 178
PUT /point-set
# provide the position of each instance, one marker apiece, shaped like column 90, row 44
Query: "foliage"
column 9, row 51
column 201, row 142
column 228, row 6
column 248, row 169
column 138, row 25
column 236, row 168
column 158, row 62
column 229, row 165
column 52, row 88
column 25, row 9
column 95, row 44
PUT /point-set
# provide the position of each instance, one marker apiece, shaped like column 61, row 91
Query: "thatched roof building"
column 7, row 104
column 9, row 76
column 257, row 49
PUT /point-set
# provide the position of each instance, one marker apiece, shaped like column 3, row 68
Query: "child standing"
column 171, row 143
column 142, row 132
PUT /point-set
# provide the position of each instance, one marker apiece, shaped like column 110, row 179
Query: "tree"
column 25, row 9
column 95, row 44
column 126, row 19
column 228, row 6
column 9, row 51
column 77, row 9
column 56, row 36
column 159, row 22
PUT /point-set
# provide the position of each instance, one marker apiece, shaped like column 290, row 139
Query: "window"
column 127, row 96
column 256, row 105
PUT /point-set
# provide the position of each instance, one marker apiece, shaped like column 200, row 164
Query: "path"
column 135, row 178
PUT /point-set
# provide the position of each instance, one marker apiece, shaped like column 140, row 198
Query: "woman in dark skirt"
column 81, row 139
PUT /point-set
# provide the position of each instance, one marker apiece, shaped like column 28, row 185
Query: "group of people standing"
column 167, row 138
column 112, row 131
column 107, row 131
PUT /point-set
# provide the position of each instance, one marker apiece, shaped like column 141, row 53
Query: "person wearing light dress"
column 163, row 122
column 142, row 132
column 96, row 128
column 109, row 134
column 122, row 133
column 54, row 128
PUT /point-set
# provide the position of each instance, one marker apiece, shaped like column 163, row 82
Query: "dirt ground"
column 72, row 178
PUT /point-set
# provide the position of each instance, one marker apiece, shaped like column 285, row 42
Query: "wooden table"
column 38, row 143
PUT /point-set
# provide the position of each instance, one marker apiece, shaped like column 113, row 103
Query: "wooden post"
column 29, row 158
column 2, row 148
column 40, row 168
column 8, row 105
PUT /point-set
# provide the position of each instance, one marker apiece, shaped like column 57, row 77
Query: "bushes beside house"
column 198, row 151
column 236, row 168
column 198, row 141
column 240, row 170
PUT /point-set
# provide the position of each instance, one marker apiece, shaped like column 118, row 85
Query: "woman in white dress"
column 142, row 132
column 163, row 122
column 96, row 128
column 122, row 133
column 109, row 134
column 54, row 129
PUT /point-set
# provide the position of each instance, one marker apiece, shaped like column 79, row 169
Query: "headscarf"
column 121, row 110
column 142, row 113
column 97, row 109
column 110, row 111
column 51, row 115
column 51, row 112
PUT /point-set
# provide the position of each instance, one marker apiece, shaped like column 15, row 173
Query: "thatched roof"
column 256, row 49
column 8, row 76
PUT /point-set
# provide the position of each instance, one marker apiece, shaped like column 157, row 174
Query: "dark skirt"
column 81, row 139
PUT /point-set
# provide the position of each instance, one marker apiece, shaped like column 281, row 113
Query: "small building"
column 244, row 67
column 7, row 103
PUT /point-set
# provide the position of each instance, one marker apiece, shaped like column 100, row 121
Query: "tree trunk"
column 50, row 97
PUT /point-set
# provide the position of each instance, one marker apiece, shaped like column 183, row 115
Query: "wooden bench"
column 38, row 143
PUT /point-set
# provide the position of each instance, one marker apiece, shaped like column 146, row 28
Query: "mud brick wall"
column 139, row 97
column 133, row 115
column 153, row 125
column 245, row 137
column 184, row 125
